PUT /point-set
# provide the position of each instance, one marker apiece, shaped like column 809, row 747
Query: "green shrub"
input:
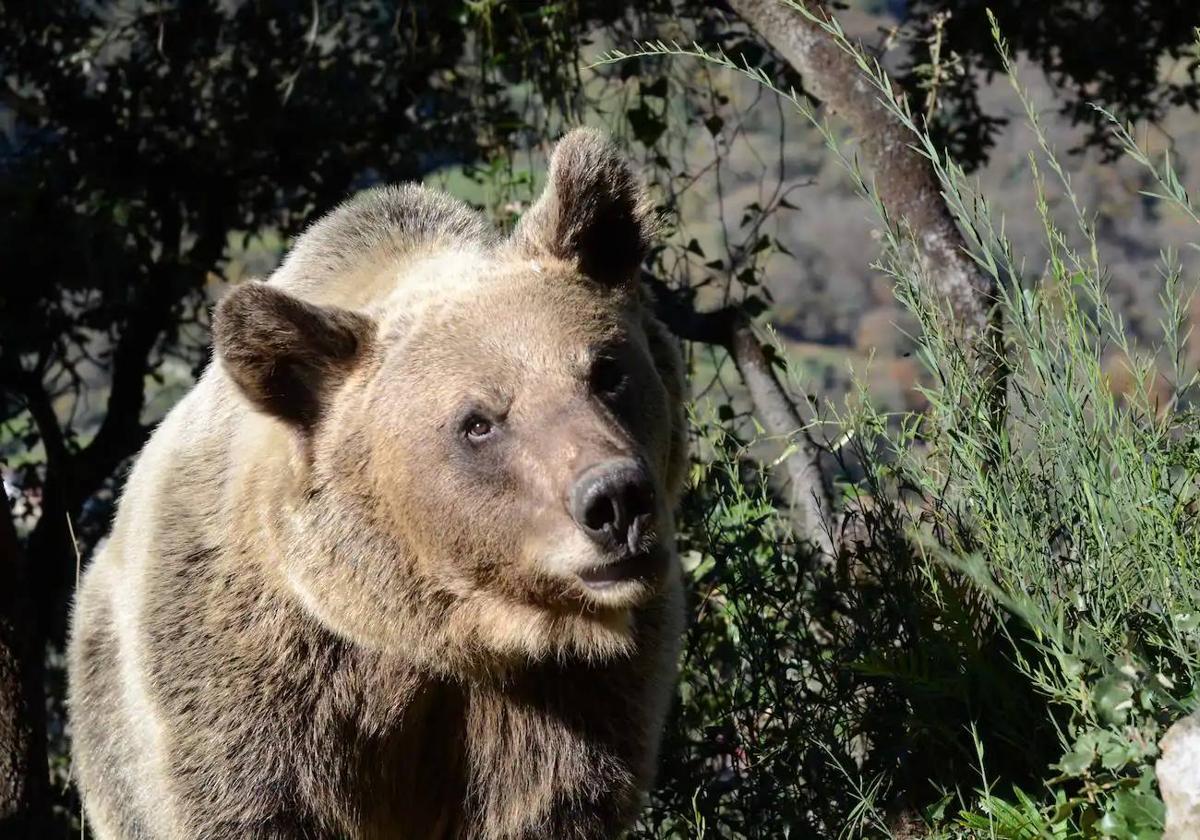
column 1015, row 619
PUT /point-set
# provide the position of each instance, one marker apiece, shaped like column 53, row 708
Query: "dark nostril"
column 639, row 499
column 603, row 512
column 612, row 502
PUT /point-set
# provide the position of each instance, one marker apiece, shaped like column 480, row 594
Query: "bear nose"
column 613, row 502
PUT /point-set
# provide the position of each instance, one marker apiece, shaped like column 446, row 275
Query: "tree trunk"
column 24, row 773
column 904, row 180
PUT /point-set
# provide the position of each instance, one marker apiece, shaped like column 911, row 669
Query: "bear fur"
column 327, row 611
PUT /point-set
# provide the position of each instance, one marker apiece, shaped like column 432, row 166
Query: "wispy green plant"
column 1042, row 577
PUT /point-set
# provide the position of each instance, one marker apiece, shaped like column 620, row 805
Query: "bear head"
column 487, row 459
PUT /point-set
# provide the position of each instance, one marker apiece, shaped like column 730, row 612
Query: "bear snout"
column 613, row 503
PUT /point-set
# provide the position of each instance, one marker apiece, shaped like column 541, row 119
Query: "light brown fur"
column 321, row 614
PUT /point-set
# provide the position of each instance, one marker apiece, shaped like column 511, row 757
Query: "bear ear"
column 286, row 355
column 594, row 210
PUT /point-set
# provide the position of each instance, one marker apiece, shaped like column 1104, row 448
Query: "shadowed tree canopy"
column 141, row 136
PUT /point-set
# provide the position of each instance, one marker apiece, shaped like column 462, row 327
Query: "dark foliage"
column 1104, row 53
column 806, row 687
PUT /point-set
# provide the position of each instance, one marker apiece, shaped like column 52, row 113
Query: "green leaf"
column 1076, row 762
column 1112, row 698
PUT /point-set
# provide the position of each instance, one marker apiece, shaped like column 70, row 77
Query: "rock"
column 1178, row 772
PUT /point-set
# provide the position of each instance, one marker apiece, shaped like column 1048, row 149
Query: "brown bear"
column 401, row 564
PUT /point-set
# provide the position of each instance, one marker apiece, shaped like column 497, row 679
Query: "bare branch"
column 729, row 327
column 811, row 505
column 904, row 180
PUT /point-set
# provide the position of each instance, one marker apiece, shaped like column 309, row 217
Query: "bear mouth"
column 645, row 567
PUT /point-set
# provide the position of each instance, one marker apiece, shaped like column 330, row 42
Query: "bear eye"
column 607, row 376
column 478, row 428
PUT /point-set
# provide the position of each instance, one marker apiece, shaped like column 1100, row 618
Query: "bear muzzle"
column 613, row 503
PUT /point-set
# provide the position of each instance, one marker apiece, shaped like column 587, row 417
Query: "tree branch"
column 904, row 180
column 122, row 433
column 37, row 401
column 811, row 506
column 728, row 327
column 79, row 475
